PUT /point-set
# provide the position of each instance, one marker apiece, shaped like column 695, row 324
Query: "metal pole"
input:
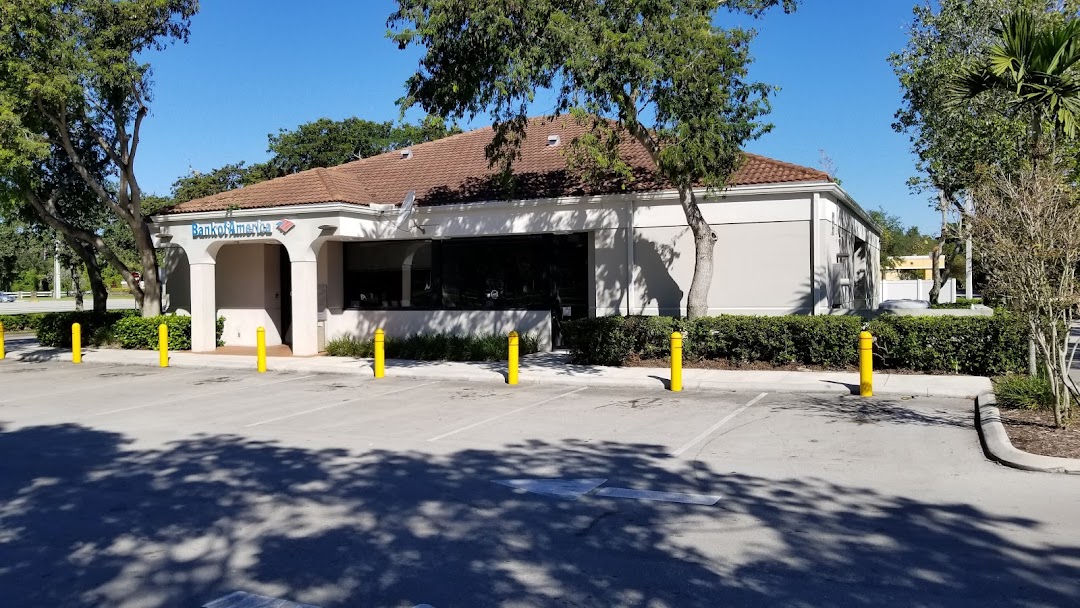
column 56, row 269
column 969, row 273
column 380, row 353
column 512, row 369
column 260, row 349
column 76, row 343
column 866, row 364
column 163, row 345
column 676, row 362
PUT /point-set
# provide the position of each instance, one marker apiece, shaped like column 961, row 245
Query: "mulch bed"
column 1033, row 431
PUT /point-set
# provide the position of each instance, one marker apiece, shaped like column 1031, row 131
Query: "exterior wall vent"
column 553, row 140
column 406, row 154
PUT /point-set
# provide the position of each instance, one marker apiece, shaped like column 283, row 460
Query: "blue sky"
column 254, row 66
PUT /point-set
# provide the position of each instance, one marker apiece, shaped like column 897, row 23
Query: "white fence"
column 26, row 295
column 917, row 289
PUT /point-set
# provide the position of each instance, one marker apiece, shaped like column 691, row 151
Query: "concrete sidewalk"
column 544, row 368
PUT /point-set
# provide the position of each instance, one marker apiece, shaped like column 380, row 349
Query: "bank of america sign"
column 231, row 228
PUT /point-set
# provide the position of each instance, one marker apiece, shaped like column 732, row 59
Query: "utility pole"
column 969, row 209
column 56, row 269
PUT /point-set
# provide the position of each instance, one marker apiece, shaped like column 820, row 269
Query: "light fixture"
column 438, row 237
column 561, row 232
column 164, row 236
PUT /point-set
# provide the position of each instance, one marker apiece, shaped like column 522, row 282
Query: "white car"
column 7, row 297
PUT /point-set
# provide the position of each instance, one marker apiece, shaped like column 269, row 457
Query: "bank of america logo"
column 284, row 226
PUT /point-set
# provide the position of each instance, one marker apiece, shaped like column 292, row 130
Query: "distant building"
column 912, row 267
column 328, row 252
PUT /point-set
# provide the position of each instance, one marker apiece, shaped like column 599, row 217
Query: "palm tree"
column 1036, row 62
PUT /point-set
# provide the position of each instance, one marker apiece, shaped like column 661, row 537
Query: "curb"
column 996, row 444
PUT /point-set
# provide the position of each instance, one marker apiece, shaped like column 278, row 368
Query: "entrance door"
column 285, row 269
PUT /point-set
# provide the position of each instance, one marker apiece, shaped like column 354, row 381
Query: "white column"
column 305, row 299
column 203, row 306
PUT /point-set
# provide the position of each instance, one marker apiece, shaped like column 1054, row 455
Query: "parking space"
column 132, row 487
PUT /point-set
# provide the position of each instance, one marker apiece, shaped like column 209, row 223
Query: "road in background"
column 19, row 307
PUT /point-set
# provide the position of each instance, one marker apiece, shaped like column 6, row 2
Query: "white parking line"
column 325, row 407
column 198, row 394
column 505, row 414
column 712, row 429
column 92, row 387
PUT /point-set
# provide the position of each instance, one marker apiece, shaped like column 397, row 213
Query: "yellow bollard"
column 512, row 369
column 260, row 346
column 76, row 343
column 163, row 345
column 380, row 353
column 866, row 364
column 676, row 362
column 2, row 353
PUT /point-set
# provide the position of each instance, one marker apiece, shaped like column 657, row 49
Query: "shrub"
column 1023, row 391
column 142, row 333
column 983, row 346
column 54, row 329
column 435, row 347
column 968, row 345
column 126, row 329
column 24, row 322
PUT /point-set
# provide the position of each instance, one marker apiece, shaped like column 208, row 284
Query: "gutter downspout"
column 813, row 252
column 629, row 255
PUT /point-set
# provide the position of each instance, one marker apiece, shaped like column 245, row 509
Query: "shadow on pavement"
column 87, row 518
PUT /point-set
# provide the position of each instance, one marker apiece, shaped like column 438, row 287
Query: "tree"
column 73, row 86
column 229, row 177
column 1028, row 233
column 953, row 142
column 1032, row 63
column 898, row 239
column 658, row 72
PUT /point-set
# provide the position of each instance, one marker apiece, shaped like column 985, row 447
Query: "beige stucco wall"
column 249, row 294
column 363, row 323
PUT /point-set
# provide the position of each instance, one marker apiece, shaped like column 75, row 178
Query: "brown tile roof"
column 455, row 170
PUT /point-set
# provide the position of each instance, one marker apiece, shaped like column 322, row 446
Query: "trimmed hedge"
column 24, row 322
column 435, row 347
column 967, row 345
column 54, row 329
column 126, row 329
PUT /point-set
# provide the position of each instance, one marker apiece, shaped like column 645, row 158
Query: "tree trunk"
column 697, row 304
column 76, row 285
column 939, row 250
column 149, row 296
column 89, row 259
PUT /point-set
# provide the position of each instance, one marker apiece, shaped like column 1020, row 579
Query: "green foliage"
column 142, row 333
column 953, row 141
column 75, row 89
column 1033, row 61
column 966, row 345
column 54, row 329
column 981, row 346
column 899, row 240
column 229, row 177
column 125, row 329
column 435, row 347
column 1023, row 392
column 662, row 73
column 24, row 322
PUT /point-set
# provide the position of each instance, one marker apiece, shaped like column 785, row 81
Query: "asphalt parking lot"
column 131, row 487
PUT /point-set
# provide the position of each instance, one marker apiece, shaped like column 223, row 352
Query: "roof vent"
column 553, row 140
column 406, row 153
